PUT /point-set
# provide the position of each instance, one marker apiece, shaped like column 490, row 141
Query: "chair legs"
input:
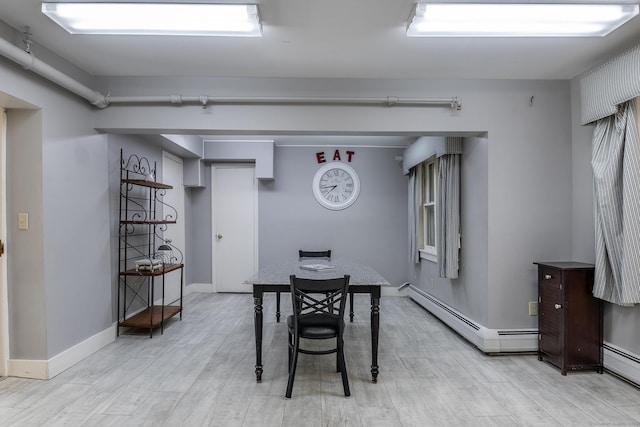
column 294, row 343
column 293, row 362
column 343, row 370
column 289, row 344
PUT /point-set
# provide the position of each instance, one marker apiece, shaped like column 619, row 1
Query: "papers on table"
column 317, row 267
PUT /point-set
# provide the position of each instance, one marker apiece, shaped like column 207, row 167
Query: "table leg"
column 278, row 307
column 375, row 329
column 257, row 318
column 351, row 306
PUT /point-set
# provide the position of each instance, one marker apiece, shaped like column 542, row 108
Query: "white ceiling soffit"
column 380, row 141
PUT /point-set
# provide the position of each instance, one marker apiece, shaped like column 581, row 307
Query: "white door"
column 234, row 226
column 175, row 233
column 4, row 308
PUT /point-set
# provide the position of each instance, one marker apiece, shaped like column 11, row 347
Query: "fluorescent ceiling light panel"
column 183, row 19
column 517, row 20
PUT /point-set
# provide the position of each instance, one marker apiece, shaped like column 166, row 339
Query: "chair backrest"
column 319, row 296
column 314, row 254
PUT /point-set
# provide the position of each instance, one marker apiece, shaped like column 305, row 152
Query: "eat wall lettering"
column 321, row 158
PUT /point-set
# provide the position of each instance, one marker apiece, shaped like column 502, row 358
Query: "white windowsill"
column 428, row 255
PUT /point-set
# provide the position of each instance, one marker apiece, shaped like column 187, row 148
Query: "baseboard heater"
column 487, row 340
column 616, row 360
column 622, row 363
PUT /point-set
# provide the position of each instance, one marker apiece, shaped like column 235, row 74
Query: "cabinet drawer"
column 551, row 276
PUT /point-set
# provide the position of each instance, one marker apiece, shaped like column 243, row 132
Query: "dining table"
column 275, row 277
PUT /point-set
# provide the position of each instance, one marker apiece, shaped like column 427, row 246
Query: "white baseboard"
column 47, row 369
column 487, row 340
column 198, row 287
column 393, row 291
column 36, row 369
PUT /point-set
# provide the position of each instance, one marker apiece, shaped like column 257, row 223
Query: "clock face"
column 336, row 186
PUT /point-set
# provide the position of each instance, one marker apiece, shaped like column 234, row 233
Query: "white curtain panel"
column 414, row 216
column 448, row 231
column 616, row 170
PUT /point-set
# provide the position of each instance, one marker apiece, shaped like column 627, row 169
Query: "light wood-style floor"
column 201, row 373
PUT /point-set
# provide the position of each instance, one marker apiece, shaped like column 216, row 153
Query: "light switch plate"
column 23, row 221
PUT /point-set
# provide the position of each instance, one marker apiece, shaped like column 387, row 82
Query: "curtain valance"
column 426, row 147
column 609, row 85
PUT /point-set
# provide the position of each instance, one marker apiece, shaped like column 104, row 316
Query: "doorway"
column 234, row 207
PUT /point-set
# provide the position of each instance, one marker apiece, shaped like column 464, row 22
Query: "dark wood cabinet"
column 569, row 317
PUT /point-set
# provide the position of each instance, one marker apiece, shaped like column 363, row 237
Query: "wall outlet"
column 533, row 308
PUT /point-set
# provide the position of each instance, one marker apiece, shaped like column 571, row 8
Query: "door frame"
column 213, row 167
column 181, row 224
column 4, row 296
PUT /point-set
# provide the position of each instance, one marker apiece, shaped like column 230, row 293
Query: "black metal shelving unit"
column 145, row 256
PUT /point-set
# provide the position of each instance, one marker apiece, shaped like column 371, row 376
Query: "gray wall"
column 198, row 232
column 516, row 203
column 76, row 236
column 373, row 230
column 526, row 191
column 471, row 290
column 25, row 248
column 526, row 159
column 59, row 292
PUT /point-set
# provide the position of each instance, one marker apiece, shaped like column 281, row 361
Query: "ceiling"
column 325, row 39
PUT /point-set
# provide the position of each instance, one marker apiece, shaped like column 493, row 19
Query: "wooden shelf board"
column 167, row 268
column 149, row 184
column 143, row 319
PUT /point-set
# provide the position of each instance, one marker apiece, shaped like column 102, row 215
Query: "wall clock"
column 336, row 186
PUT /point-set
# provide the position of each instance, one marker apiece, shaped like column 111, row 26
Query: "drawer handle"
column 547, row 276
column 557, row 306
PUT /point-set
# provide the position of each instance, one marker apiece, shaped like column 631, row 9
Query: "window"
column 428, row 175
column 433, row 165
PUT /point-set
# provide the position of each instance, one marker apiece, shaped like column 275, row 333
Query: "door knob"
column 219, row 236
column 558, row 306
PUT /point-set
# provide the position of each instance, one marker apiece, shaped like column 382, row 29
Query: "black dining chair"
column 302, row 255
column 318, row 314
column 314, row 254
